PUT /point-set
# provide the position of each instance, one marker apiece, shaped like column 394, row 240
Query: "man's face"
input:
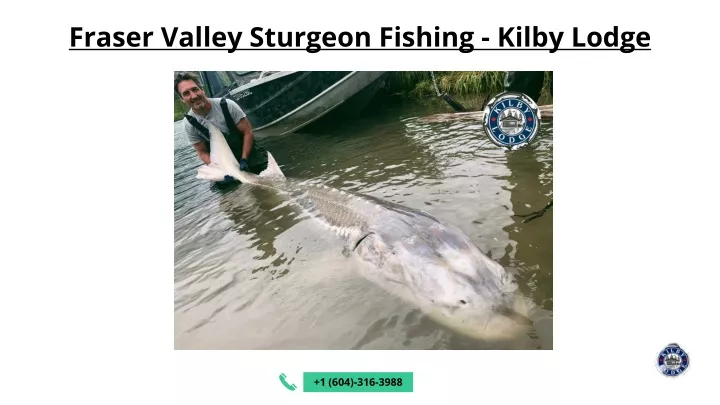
column 192, row 95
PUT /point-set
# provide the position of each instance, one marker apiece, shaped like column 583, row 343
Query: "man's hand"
column 246, row 129
column 228, row 179
column 202, row 152
column 244, row 165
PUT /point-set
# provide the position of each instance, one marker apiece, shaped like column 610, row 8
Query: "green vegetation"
column 180, row 108
column 420, row 84
column 470, row 88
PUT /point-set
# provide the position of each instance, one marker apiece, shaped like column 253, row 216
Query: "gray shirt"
column 215, row 116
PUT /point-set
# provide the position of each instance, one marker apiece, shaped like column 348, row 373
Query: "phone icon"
column 291, row 387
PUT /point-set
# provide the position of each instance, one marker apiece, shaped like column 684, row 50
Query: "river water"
column 249, row 275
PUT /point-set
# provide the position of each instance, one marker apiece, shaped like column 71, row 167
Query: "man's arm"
column 202, row 152
column 246, row 129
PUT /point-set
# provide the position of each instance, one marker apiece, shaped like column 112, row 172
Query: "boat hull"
column 288, row 102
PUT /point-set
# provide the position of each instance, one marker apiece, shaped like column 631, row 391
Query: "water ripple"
column 252, row 271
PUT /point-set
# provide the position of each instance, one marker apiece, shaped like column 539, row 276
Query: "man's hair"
column 182, row 76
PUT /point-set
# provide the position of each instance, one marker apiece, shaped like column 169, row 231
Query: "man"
column 227, row 116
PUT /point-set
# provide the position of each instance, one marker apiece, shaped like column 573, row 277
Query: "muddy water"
column 250, row 275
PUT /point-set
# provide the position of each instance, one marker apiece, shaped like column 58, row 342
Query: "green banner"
column 357, row 382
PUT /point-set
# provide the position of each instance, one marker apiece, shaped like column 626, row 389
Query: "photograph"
column 368, row 210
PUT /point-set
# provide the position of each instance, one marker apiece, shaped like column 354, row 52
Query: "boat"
column 279, row 103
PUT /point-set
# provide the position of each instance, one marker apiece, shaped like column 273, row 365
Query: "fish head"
column 445, row 266
column 449, row 276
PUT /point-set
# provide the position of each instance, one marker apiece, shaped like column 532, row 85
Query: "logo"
column 673, row 360
column 511, row 120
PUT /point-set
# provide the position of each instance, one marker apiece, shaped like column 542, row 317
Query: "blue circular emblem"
column 673, row 360
column 511, row 120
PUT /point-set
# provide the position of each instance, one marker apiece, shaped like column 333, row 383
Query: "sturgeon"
column 406, row 251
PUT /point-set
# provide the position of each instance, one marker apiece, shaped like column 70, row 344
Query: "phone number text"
column 359, row 382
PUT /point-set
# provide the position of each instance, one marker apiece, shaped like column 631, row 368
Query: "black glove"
column 244, row 165
column 227, row 180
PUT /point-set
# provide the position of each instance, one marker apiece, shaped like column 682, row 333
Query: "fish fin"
column 211, row 172
column 273, row 170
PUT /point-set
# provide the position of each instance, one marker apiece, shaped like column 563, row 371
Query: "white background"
column 87, row 257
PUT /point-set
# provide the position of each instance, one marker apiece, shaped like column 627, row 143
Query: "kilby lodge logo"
column 673, row 360
column 511, row 120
